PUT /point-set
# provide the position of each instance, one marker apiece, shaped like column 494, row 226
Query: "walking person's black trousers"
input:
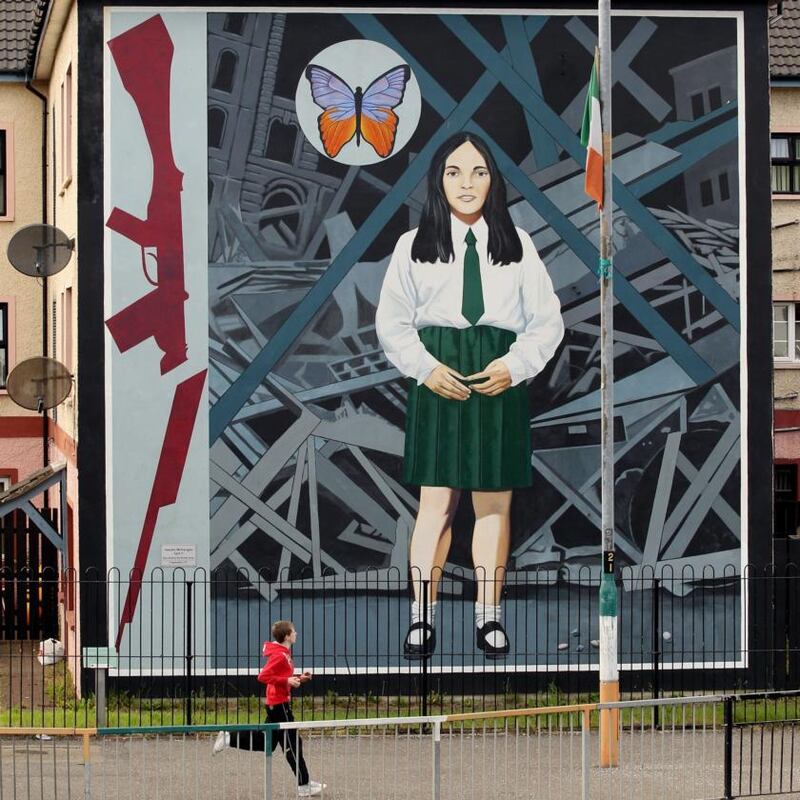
column 291, row 743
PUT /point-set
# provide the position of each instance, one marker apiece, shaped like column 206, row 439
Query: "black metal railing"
column 193, row 649
column 762, row 744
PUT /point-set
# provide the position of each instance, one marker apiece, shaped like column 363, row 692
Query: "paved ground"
column 674, row 765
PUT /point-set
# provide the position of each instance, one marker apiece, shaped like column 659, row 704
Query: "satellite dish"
column 39, row 383
column 40, row 250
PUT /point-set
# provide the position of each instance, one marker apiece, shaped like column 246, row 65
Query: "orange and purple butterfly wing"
column 337, row 122
column 335, row 131
column 378, row 120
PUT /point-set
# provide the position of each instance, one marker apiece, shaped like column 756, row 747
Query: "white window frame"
column 793, row 339
column 66, row 130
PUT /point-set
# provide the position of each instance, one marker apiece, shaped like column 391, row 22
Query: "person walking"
column 279, row 676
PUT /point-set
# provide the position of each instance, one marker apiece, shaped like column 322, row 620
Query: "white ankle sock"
column 418, row 636
column 490, row 613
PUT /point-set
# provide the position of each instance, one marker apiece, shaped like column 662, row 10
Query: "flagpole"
column 609, row 665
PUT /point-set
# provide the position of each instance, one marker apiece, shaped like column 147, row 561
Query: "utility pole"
column 609, row 665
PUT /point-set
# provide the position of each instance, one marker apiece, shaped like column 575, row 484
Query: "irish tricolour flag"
column 592, row 139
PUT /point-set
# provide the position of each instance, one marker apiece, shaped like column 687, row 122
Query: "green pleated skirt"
column 482, row 443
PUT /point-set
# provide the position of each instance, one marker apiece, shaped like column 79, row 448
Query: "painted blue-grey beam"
column 46, row 528
column 524, row 93
column 237, row 394
column 623, row 56
column 545, row 151
column 680, row 127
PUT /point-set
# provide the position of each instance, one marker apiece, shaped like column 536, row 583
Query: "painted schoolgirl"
column 468, row 312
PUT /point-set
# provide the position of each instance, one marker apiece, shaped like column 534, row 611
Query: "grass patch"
column 61, row 708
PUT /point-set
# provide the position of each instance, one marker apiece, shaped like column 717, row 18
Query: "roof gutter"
column 43, row 99
column 44, row 8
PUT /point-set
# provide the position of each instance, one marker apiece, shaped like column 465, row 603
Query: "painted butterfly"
column 347, row 113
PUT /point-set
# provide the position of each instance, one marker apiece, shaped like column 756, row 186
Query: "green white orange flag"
column 592, row 139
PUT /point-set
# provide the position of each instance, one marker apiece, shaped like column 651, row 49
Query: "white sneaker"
column 310, row 789
column 222, row 741
column 317, row 783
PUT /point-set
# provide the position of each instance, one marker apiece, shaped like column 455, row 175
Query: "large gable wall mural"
column 306, row 414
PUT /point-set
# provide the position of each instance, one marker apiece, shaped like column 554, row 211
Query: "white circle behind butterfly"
column 358, row 102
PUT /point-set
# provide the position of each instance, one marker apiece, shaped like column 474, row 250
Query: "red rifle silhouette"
column 167, row 481
column 143, row 56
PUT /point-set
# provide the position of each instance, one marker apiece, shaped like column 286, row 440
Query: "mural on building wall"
column 143, row 57
column 156, row 304
column 310, row 186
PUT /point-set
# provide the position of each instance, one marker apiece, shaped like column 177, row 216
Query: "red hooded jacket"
column 276, row 673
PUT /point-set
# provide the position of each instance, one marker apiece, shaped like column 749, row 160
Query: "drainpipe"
column 45, row 437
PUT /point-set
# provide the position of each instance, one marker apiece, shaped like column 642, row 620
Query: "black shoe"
column 415, row 652
column 490, row 651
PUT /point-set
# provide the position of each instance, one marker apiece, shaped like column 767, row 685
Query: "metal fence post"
column 188, row 652
column 656, row 647
column 100, row 696
column 267, row 764
column 425, row 657
column 437, row 759
column 87, row 768
column 585, row 755
column 728, row 748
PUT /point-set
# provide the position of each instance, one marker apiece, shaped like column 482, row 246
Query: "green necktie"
column 472, row 300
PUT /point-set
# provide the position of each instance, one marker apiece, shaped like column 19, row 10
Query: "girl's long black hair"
column 433, row 240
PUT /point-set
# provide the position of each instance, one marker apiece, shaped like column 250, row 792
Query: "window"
column 714, row 98
column 6, row 172
column 66, row 328
column 55, row 166
column 724, row 187
column 66, row 128
column 54, row 344
column 706, row 193
column 281, row 142
column 786, row 480
column 785, row 332
column 785, row 154
column 3, row 174
column 279, row 221
column 698, row 106
column 216, row 126
column 234, row 23
column 8, row 477
column 226, row 71
column 785, row 500
column 4, row 348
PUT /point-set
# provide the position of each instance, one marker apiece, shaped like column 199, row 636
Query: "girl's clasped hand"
column 449, row 383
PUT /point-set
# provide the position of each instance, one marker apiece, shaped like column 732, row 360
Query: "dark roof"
column 20, row 26
column 784, row 40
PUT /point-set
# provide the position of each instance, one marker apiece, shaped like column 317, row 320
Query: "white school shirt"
column 518, row 297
